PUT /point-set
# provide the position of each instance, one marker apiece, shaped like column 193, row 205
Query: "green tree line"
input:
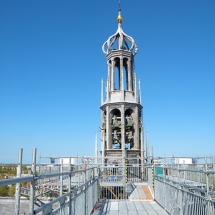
column 6, row 191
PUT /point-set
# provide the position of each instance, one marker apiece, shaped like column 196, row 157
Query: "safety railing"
column 79, row 200
column 72, row 189
column 185, row 189
column 76, row 191
column 115, row 179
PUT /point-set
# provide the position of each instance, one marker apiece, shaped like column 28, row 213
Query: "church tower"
column 122, row 128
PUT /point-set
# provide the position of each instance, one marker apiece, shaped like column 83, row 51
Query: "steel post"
column 165, row 189
column 96, row 154
column 61, row 178
column 142, row 151
column 78, row 176
column 32, row 186
column 69, row 186
column 207, row 189
column 17, row 194
column 213, row 176
column 179, row 193
column 85, row 194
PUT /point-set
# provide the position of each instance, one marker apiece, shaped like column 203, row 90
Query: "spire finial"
column 119, row 17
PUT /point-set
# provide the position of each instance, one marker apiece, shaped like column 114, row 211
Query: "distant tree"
column 4, row 191
column 11, row 190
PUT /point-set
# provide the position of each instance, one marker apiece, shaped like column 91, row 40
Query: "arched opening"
column 132, row 76
column 129, row 129
column 125, row 82
column 125, row 73
column 109, row 73
column 116, row 128
column 117, row 74
column 129, row 112
column 116, row 118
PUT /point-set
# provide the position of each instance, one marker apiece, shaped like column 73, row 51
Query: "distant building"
column 65, row 160
column 182, row 160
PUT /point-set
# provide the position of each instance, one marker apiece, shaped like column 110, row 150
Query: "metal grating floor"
column 126, row 207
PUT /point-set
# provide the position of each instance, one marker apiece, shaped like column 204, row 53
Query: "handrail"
column 16, row 180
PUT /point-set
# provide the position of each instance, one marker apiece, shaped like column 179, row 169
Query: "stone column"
column 135, row 88
column 112, row 73
column 122, row 80
column 107, row 92
column 123, row 129
column 103, row 146
column 109, row 77
column 136, row 129
column 121, row 74
column 132, row 76
column 102, row 92
column 129, row 75
column 108, row 128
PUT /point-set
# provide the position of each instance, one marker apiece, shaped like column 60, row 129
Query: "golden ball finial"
column 119, row 18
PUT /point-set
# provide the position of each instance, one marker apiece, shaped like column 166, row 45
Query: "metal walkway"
column 140, row 202
column 127, row 207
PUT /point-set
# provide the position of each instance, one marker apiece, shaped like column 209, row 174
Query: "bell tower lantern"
column 122, row 129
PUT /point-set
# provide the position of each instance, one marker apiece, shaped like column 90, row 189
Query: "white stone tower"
column 122, row 128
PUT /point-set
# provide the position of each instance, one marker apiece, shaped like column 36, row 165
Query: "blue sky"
column 51, row 66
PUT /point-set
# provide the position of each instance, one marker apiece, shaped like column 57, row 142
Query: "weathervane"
column 119, row 17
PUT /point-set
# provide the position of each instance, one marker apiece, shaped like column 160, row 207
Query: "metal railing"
column 67, row 189
column 185, row 189
column 72, row 188
column 115, row 180
column 76, row 190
